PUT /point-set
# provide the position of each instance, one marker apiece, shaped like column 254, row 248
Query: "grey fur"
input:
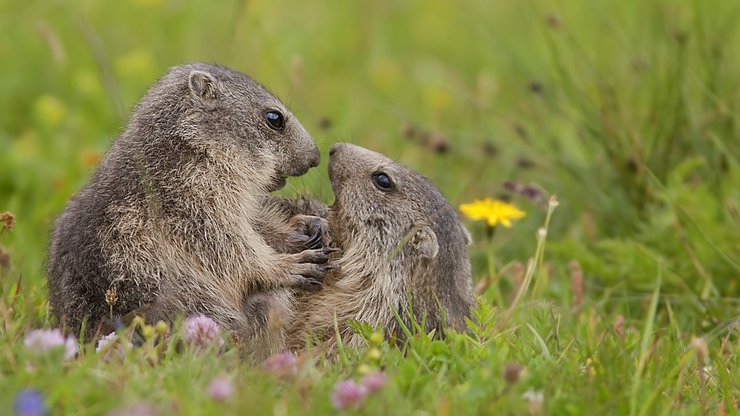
column 172, row 216
column 401, row 245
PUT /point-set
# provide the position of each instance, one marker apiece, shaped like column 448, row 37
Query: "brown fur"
column 405, row 244
column 172, row 217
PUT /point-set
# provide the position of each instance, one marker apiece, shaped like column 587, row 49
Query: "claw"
column 298, row 239
column 316, row 256
column 311, row 285
column 314, row 241
column 317, row 231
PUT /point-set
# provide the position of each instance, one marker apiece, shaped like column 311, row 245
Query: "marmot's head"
column 401, row 219
column 210, row 107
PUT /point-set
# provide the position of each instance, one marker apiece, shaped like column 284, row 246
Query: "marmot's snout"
column 304, row 155
column 311, row 158
column 338, row 154
column 310, row 152
column 315, row 158
column 333, row 149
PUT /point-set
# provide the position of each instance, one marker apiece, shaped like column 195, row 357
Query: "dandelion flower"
column 30, row 402
column 375, row 381
column 220, row 388
column 494, row 212
column 42, row 341
column 202, row 331
column 348, row 395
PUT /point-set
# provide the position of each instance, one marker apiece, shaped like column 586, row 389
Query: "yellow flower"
column 494, row 212
column 50, row 111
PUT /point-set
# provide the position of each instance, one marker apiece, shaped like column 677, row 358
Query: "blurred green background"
column 626, row 110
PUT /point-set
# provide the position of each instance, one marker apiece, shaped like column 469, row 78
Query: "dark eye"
column 382, row 181
column 275, row 120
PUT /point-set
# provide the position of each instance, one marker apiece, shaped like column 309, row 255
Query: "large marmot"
column 404, row 251
column 173, row 214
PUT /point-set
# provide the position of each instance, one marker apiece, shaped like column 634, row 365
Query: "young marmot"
column 404, row 250
column 173, row 214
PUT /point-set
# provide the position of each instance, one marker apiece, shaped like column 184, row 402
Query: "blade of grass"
column 679, row 371
column 340, row 346
column 540, row 342
column 533, row 264
column 726, row 257
column 645, row 342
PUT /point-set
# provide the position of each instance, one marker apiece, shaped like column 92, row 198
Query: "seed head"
column 512, row 372
column 111, row 296
column 7, row 220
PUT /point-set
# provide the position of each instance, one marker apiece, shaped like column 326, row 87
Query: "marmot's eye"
column 275, row 120
column 382, row 181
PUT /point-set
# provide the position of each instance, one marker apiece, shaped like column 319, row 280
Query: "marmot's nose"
column 334, row 148
column 314, row 157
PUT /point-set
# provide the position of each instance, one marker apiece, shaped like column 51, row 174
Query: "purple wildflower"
column 202, row 331
column 104, row 341
column 30, row 402
column 110, row 345
column 41, row 341
column 348, row 395
column 220, row 388
column 281, row 364
column 375, row 381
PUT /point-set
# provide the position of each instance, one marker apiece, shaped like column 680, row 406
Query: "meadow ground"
column 626, row 110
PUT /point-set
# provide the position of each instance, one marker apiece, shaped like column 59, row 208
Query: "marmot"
column 172, row 216
column 404, row 250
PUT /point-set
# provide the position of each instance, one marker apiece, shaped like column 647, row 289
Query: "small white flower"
column 536, row 400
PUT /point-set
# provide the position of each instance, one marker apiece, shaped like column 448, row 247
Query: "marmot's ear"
column 203, row 86
column 425, row 243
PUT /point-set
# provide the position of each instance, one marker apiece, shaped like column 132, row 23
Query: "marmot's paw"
column 309, row 267
column 310, row 276
column 307, row 284
column 309, row 232
column 316, row 256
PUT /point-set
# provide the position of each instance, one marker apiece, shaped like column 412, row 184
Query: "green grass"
column 628, row 111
